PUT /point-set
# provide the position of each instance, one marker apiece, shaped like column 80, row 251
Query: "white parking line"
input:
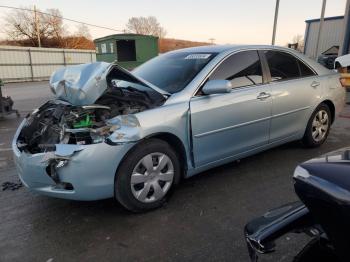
column 5, row 149
column 7, row 129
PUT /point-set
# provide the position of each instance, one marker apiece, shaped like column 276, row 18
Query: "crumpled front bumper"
column 90, row 169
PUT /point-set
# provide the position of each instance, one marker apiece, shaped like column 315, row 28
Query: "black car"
column 323, row 186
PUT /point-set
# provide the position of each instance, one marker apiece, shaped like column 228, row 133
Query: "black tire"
column 122, row 185
column 318, row 250
column 308, row 139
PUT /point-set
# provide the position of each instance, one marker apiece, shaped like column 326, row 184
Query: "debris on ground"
column 11, row 185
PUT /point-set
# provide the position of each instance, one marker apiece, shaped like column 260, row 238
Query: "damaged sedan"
column 133, row 135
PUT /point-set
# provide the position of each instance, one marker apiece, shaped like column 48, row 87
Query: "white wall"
column 19, row 64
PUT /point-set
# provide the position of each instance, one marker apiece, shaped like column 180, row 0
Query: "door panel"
column 294, row 90
column 227, row 124
column 291, row 105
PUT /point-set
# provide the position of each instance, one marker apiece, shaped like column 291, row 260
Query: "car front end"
column 70, row 171
column 71, row 146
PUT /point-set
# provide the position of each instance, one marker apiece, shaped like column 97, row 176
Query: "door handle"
column 263, row 96
column 315, row 84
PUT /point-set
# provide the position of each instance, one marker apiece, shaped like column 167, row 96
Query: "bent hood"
column 84, row 84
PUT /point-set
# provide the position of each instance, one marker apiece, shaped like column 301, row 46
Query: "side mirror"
column 217, row 87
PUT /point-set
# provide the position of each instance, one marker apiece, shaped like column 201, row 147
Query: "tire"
column 147, row 176
column 317, row 249
column 318, row 127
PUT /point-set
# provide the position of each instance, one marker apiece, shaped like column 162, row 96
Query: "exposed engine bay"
column 60, row 122
column 56, row 123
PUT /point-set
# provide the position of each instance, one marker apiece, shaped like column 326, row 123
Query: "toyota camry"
column 134, row 135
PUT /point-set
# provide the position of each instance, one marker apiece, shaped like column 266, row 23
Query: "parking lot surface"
column 203, row 221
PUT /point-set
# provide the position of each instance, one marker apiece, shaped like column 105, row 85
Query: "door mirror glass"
column 217, row 87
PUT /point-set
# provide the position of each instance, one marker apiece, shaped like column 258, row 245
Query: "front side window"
column 242, row 69
column 282, row 66
column 172, row 72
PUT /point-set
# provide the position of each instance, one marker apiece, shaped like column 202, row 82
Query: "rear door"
column 227, row 124
column 294, row 89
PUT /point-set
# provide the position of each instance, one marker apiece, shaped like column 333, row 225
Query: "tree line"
column 47, row 29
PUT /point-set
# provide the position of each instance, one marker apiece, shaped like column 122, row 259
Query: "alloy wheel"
column 320, row 125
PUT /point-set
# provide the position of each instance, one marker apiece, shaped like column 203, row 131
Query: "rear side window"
column 282, row 65
column 242, row 69
column 305, row 70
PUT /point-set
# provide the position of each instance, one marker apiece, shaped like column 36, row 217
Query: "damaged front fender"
column 127, row 129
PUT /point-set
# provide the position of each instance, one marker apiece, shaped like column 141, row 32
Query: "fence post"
column 64, row 58
column 31, row 63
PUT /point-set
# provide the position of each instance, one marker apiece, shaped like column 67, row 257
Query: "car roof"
column 321, row 70
column 225, row 48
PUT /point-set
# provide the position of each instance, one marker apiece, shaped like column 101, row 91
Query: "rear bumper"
column 90, row 169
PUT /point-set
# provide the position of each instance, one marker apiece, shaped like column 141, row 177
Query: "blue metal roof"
column 325, row 19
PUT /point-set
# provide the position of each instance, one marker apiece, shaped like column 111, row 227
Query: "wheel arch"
column 176, row 143
column 331, row 107
column 173, row 140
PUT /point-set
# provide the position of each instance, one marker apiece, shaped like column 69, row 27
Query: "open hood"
column 84, row 84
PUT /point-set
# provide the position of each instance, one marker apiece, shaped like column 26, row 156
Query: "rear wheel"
column 147, row 175
column 318, row 127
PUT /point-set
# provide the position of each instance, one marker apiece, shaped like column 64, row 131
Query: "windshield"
column 172, row 72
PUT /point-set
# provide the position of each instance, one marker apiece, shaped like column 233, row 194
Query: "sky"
column 227, row 21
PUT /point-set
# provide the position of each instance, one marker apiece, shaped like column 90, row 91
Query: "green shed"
column 128, row 50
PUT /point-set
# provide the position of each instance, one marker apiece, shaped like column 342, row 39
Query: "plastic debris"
column 11, row 186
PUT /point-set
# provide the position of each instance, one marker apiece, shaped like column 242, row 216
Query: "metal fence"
column 19, row 64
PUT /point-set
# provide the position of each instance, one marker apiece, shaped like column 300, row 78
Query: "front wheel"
column 318, row 127
column 147, row 175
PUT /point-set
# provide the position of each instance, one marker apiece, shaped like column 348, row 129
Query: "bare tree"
column 145, row 26
column 81, row 39
column 23, row 25
column 55, row 22
column 298, row 39
column 83, row 31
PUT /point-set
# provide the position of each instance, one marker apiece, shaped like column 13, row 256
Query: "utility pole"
column 320, row 28
column 212, row 40
column 36, row 20
column 275, row 22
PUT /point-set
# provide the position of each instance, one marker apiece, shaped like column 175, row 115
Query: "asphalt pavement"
column 203, row 220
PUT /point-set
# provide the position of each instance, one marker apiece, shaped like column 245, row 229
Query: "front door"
column 224, row 125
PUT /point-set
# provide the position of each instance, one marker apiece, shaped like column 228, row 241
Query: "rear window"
column 172, row 72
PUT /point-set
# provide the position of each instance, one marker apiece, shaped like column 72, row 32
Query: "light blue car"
column 134, row 135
